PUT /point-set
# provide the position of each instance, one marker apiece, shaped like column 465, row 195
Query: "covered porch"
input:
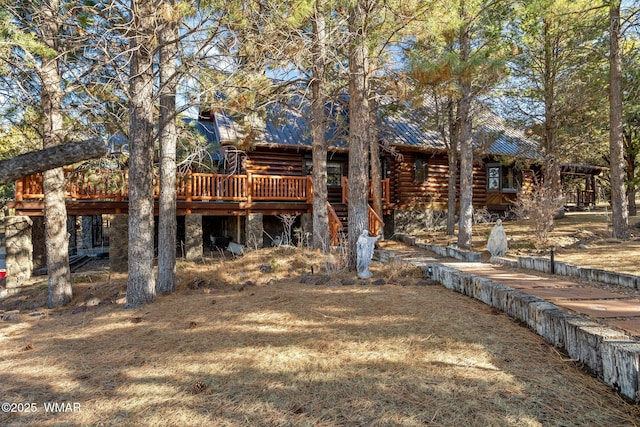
column 579, row 186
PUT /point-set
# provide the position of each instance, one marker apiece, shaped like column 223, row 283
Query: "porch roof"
column 581, row 169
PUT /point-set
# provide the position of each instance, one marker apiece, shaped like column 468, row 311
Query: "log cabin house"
column 253, row 187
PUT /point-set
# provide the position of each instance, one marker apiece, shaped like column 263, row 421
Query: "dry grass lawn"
column 236, row 346
column 580, row 238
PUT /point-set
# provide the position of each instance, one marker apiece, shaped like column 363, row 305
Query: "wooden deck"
column 106, row 192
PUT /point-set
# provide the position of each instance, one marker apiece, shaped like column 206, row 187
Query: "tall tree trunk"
column 321, row 238
column 141, row 284
column 55, row 210
column 376, row 166
column 466, row 146
column 358, row 132
column 452, row 150
column 620, row 214
column 551, row 167
column 167, row 223
column 630, row 157
column 631, row 200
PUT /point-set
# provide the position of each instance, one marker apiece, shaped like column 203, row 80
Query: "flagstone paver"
column 614, row 308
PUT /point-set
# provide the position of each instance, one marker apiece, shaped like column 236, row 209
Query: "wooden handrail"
column 375, row 222
column 345, row 190
column 335, row 225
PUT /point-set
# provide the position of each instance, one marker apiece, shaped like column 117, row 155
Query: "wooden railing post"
column 249, row 187
column 345, row 189
column 335, row 225
column 19, row 189
column 123, row 180
column 189, row 186
column 375, row 222
column 386, row 190
column 309, row 189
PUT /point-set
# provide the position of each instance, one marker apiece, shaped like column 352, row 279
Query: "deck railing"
column 580, row 198
column 386, row 188
column 280, row 187
column 112, row 185
column 208, row 187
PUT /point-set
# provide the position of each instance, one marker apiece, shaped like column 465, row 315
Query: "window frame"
column 496, row 175
column 420, row 170
column 338, row 172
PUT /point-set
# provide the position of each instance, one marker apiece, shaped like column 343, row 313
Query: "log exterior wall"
column 275, row 162
column 433, row 192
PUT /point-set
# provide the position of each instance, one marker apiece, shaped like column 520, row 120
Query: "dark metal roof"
column 491, row 136
column 289, row 127
column 406, row 129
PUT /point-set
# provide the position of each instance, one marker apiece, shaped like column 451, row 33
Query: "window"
column 420, row 170
column 502, row 178
column 493, row 176
column 334, row 173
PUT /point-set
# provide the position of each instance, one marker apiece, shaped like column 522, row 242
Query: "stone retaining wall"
column 534, row 263
column 448, row 251
column 611, row 355
column 565, row 269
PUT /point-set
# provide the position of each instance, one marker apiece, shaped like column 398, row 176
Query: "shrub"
column 538, row 207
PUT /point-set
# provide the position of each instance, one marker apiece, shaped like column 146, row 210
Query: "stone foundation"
column 254, row 231
column 193, row 237
column 412, row 221
column 19, row 250
column 306, row 224
column 86, row 231
column 119, row 243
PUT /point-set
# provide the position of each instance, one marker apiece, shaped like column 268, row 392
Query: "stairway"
column 342, row 211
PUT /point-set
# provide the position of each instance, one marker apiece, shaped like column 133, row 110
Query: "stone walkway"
column 606, row 306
